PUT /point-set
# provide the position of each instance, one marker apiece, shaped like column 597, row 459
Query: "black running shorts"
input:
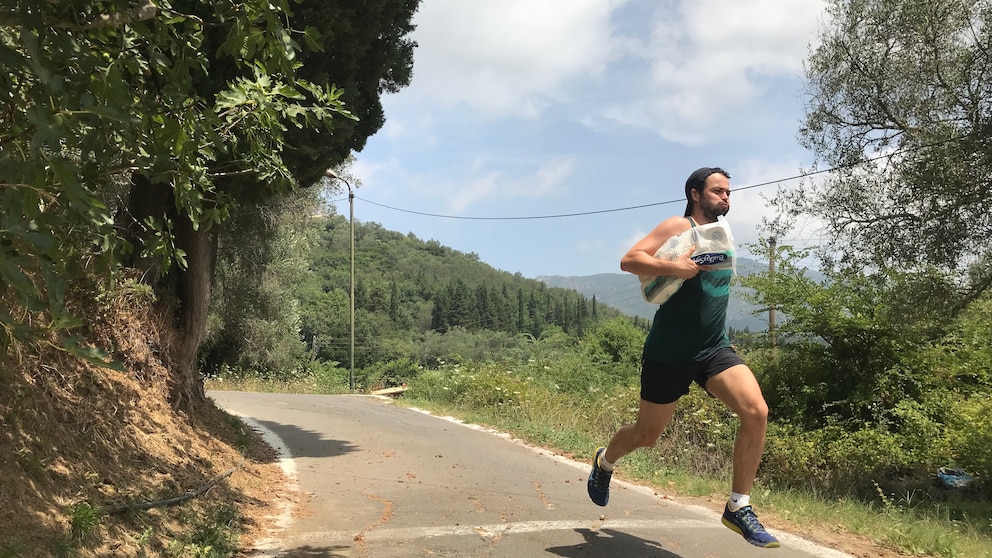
column 666, row 382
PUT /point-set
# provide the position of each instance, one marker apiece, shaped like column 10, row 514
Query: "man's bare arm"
column 640, row 259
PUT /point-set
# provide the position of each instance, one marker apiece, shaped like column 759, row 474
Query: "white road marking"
column 272, row 546
column 502, row 529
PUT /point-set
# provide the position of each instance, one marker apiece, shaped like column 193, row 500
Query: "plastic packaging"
column 954, row 478
column 714, row 248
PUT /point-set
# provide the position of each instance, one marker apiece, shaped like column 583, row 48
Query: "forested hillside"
column 409, row 293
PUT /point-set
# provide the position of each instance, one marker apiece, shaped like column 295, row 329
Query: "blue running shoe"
column 745, row 523
column 598, row 484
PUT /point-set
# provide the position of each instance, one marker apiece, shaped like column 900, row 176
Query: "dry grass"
column 75, row 437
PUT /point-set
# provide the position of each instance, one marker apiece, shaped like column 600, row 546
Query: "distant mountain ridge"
column 622, row 291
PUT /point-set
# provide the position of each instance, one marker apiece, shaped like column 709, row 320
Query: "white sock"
column 738, row 501
column 603, row 463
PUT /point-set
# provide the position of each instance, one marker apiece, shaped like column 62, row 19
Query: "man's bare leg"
column 652, row 418
column 737, row 388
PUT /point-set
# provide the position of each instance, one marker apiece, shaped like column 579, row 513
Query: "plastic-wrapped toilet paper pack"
column 714, row 248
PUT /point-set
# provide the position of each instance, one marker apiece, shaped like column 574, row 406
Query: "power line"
column 680, row 200
column 577, row 214
column 532, row 217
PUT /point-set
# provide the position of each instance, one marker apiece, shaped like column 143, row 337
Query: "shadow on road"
column 308, row 443
column 609, row 543
column 317, row 552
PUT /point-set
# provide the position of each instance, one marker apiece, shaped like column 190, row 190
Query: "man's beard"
column 714, row 211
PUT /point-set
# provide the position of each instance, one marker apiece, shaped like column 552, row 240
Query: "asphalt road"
column 388, row 481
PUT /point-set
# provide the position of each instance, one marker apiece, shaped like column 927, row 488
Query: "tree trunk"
column 193, row 290
column 185, row 291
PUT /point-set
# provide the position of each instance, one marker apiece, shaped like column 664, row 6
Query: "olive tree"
column 899, row 104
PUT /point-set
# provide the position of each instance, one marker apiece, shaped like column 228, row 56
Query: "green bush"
column 971, row 434
column 701, row 435
column 617, row 341
column 329, row 377
column 835, row 461
column 793, row 457
column 390, row 374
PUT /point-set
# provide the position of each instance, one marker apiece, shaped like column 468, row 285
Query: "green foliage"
column 702, row 438
column 83, row 519
column 477, row 387
column 254, row 320
column 459, row 345
column 970, row 437
column 843, row 346
column 964, row 387
column 99, row 95
column 390, row 374
column 863, row 388
column 962, row 354
column 211, row 535
column 910, row 77
column 616, row 341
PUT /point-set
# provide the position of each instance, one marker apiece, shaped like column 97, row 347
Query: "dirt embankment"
column 77, row 438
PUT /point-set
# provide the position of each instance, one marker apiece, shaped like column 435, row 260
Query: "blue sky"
column 535, row 108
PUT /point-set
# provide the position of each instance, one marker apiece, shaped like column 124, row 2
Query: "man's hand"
column 684, row 268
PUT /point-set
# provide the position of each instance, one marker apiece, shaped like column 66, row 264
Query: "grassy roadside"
column 691, row 461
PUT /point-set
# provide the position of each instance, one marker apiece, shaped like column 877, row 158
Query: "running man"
column 688, row 343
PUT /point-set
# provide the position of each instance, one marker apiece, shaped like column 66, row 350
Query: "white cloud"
column 677, row 72
column 550, row 176
column 511, row 56
column 487, row 186
column 710, row 58
column 475, row 191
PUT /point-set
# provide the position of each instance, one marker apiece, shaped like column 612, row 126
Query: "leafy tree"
column 897, row 105
column 149, row 124
column 255, row 320
column 365, row 50
column 897, row 102
column 842, row 345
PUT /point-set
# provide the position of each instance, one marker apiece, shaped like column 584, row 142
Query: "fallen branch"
column 170, row 501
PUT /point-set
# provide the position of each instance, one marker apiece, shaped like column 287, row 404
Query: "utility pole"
column 351, row 225
column 771, row 307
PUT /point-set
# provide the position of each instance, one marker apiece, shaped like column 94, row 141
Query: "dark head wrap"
column 697, row 181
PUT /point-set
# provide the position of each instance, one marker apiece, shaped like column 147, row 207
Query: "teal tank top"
column 692, row 324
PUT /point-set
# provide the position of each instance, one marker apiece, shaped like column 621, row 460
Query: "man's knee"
column 645, row 436
column 754, row 412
